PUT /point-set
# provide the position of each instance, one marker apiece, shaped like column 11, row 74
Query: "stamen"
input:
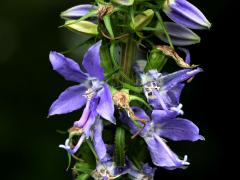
column 89, row 94
column 149, row 88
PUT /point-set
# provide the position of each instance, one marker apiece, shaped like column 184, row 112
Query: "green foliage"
column 85, row 27
column 156, row 60
column 136, row 150
column 83, row 167
column 119, row 155
column 105, row 58
column 142, row 20
column 83, row 177
column 124, row 2
column 86, row 154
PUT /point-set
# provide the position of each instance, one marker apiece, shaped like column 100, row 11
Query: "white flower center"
column 89, row 94
column 149, row 88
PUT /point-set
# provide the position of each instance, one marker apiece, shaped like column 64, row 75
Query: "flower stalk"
column 128, row 102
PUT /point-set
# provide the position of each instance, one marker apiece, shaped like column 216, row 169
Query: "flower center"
column 149, row 88
column 89, row 93
column 103, row 174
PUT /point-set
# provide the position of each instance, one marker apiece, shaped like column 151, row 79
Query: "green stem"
column 128, row 56
column 92, row 149
column 164, row 29
column 132, row 88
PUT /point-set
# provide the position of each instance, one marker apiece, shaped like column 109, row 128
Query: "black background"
column 29, row 141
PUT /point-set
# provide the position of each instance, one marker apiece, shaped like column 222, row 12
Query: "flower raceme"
column 125, row 68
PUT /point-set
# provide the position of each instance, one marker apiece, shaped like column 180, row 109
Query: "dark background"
column 29, row 141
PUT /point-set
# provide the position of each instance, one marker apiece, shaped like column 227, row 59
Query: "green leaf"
column 119, row 156
column 142, row 20
column 107, row 22
column 82, row 27
column 86, row 155
column 105, row 58
column 83, row 177
column 83, row 167
column 69, row 161
column 132, row 88
column 124, row 2
column 137, row 151
column 136, row 98
column 156, row 60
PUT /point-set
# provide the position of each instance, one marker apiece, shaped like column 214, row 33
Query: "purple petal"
column 90, row 121
column 179, row 129
column 160, row 116
column 180, row 35
column 162, row 99
column 150, row 171
column 167, row 99
column 78, row 11
column 183, row 12
column 174, row 94
column 140, row 113
column 85, row 115
column 105, row 107
column 69, row 100
column 75, row 149
column 170, row 80
column 126, row 120
column 91, row 61
column 162, row 155
column 100, row 147
column 188, row 56
column 66, row 67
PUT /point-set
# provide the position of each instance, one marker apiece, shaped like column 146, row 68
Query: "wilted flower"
column 183, row 12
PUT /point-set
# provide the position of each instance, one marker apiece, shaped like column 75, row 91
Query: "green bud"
column 156, row 60
column 82, row 27
column 124, row 2
column 142, row 20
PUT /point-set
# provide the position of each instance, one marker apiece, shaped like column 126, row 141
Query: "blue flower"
column 163, row 91
column 164, row 124
column 107, row 170
column 91, row 91
column 184, row 13
column 146, row 173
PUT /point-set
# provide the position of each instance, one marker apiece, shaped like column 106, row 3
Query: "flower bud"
column 184, row 13
column 82, row 27
column 180, row 35
column 142, row 20
column 77, row 11
column 124, row 2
